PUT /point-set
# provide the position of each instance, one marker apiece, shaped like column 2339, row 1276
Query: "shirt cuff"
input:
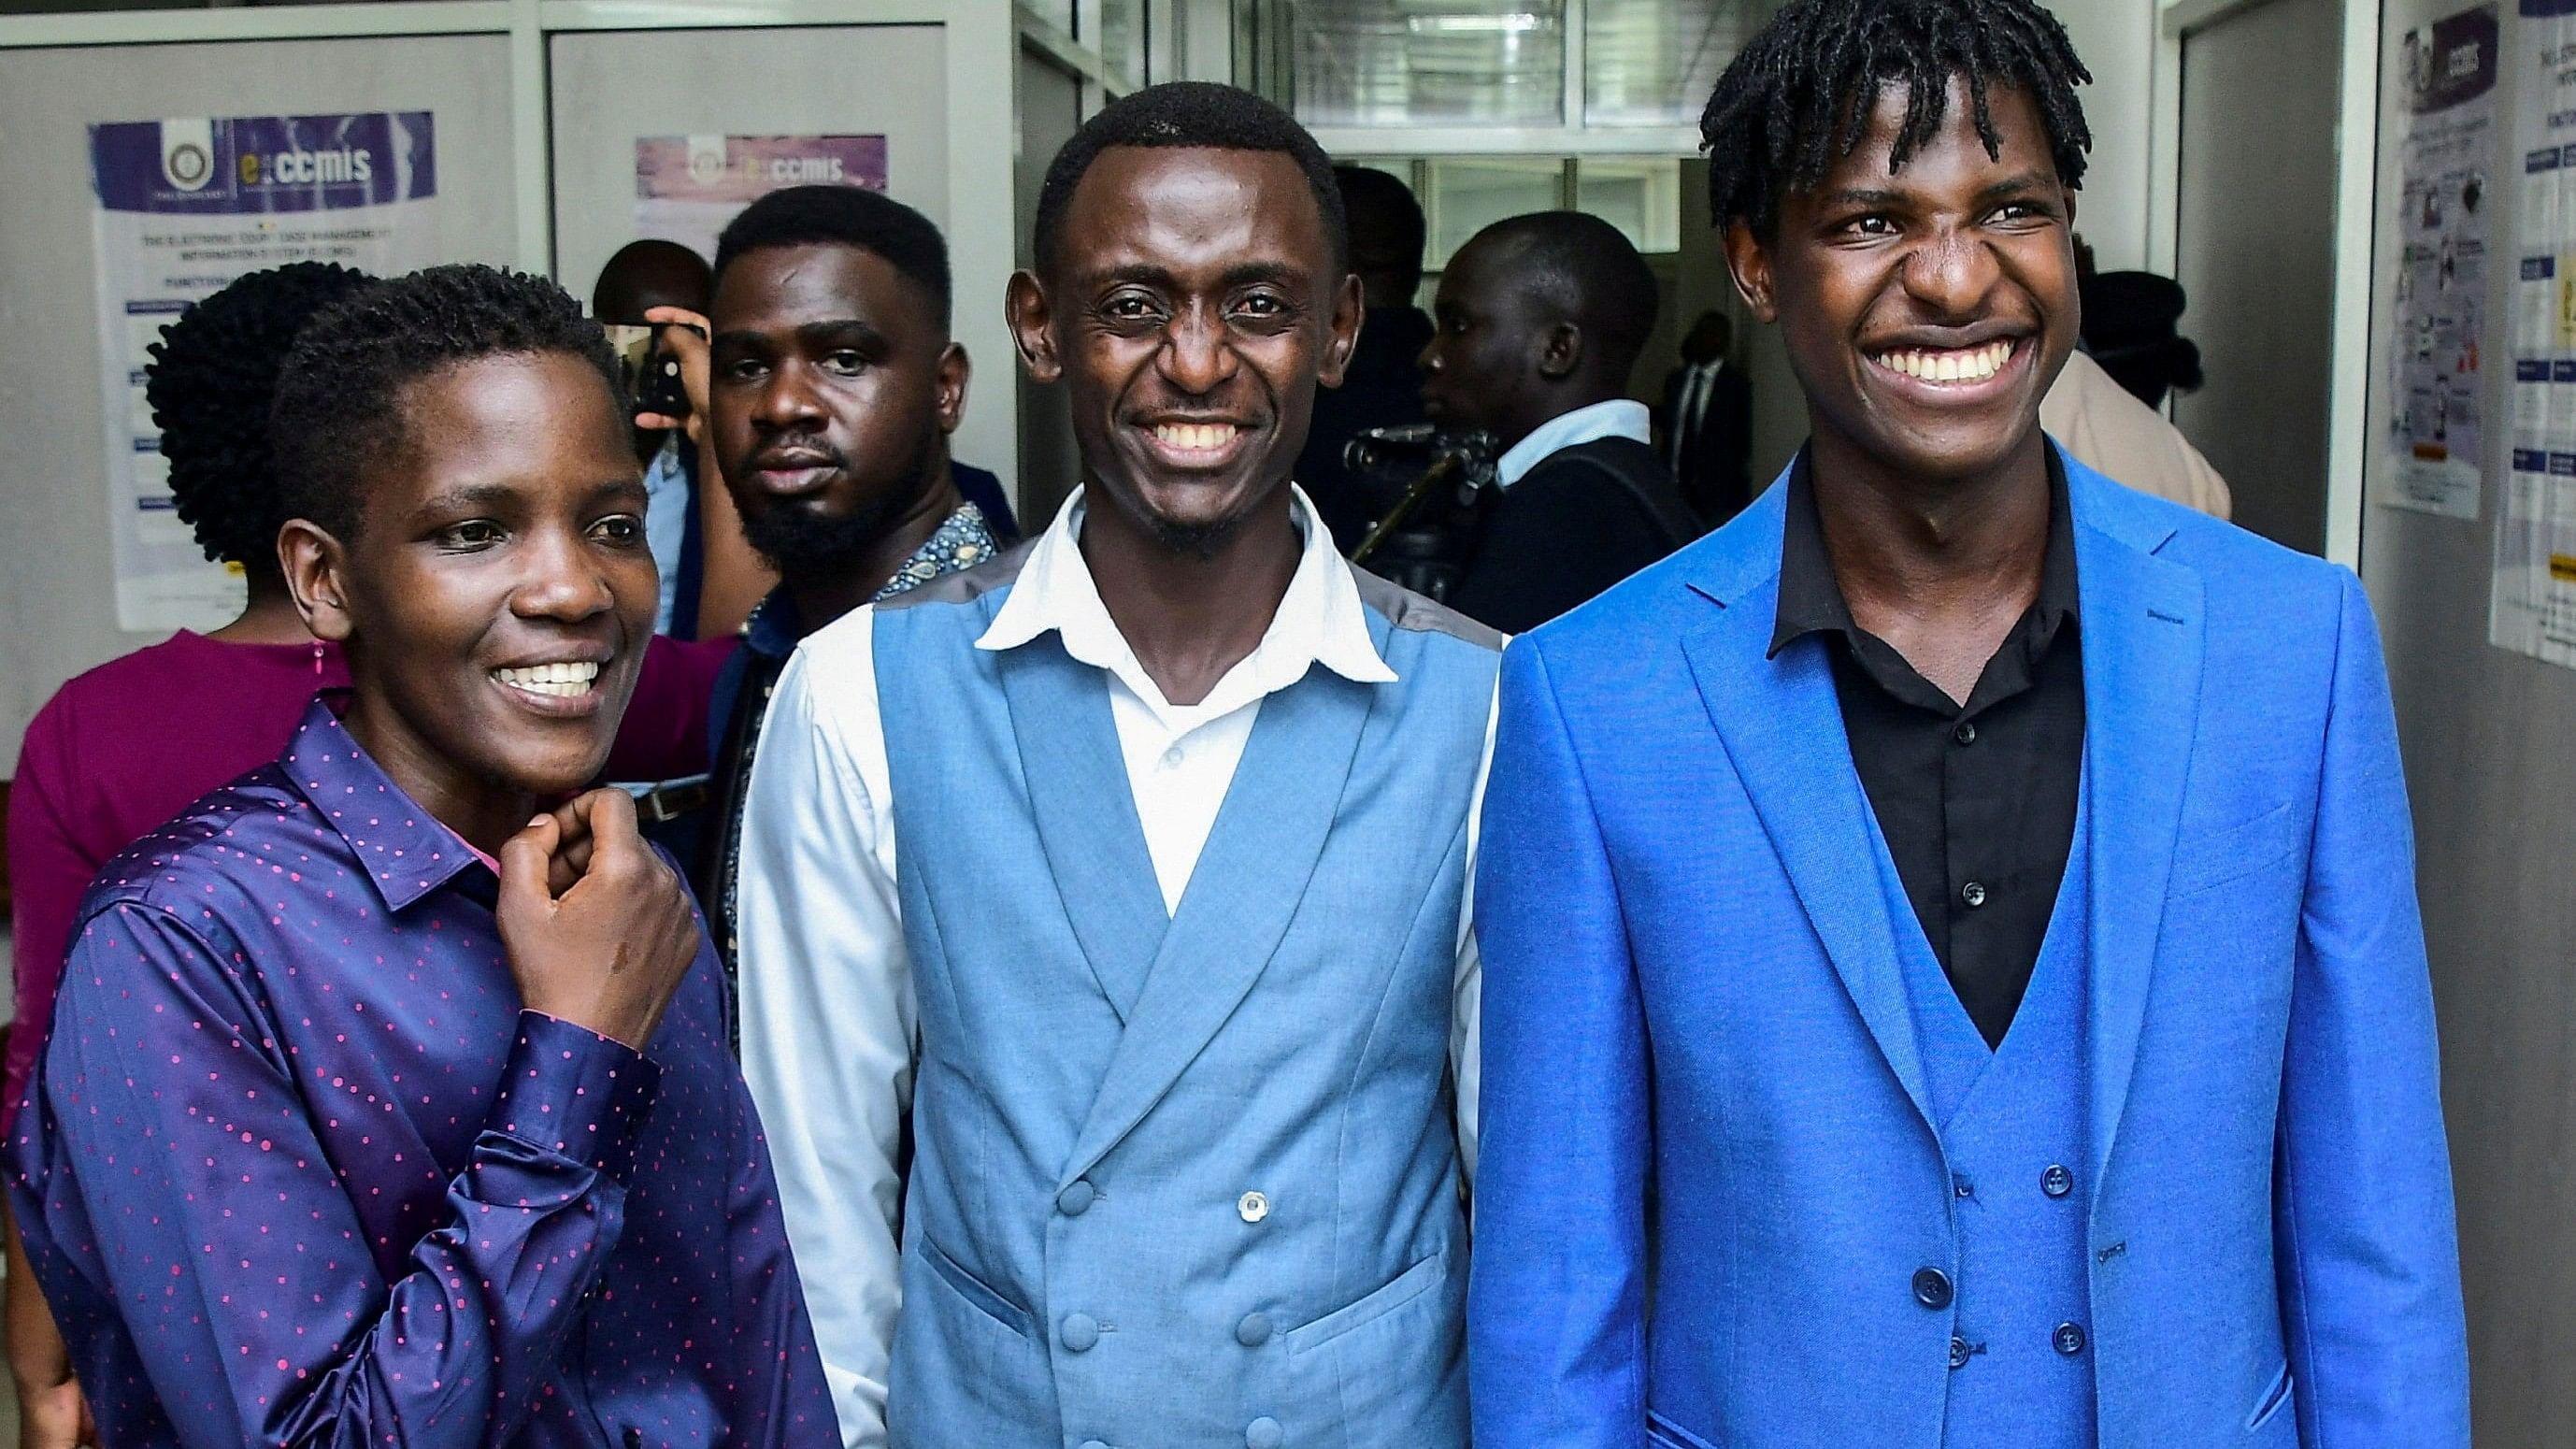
column 570, row 1091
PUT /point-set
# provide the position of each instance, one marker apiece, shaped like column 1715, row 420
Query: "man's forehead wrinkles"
column 1209, row 266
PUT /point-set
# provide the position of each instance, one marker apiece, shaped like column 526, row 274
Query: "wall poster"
column 2533, row 608
column 2444, row 211
column 184, row 207
column 688, row 187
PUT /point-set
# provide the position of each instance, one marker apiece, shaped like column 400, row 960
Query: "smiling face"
column 1191, row 308
column 835, row 387
column 497, row 595
column 1927, row 310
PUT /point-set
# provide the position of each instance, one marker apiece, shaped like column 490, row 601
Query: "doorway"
column 2255, row 253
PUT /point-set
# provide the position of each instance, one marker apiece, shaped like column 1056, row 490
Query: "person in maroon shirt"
column 123, row 747
column 130, row 744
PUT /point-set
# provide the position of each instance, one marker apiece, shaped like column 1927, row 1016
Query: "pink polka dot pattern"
column 299, row 1170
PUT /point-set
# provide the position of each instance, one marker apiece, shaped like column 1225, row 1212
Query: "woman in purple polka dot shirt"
column 387, row 1100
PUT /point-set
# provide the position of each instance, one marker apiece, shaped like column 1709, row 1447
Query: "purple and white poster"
column 184, row 207
column 688, row 187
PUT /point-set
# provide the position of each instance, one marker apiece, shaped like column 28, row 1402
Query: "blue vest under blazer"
column 1189, row 1179
column 1712, row 1166
column 2012, row 1134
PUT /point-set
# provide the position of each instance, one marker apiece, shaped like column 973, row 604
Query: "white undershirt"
column 1618, row 418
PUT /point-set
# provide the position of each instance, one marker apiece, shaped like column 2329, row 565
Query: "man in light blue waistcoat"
column 1953, row 975
column 1133, row 868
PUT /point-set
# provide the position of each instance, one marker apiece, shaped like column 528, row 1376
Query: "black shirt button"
column 2057, row 1181
column 1966, row 733
column 1974, row 893
column 2069, row 1339
column 1958, row 1353
column 1932, row 1288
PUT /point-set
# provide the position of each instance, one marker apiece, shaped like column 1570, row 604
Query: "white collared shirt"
column 1618, row 418
column 828, row 1012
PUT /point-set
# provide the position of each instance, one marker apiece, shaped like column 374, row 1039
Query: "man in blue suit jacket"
column 1952, row 970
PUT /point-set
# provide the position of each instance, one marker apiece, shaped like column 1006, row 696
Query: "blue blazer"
column 1708, row 1172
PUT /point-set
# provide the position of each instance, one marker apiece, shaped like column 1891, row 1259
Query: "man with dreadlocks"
column 1978, row 896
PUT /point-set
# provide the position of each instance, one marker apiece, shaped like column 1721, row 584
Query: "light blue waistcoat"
column 1184, row 1180
column 2013, row 1136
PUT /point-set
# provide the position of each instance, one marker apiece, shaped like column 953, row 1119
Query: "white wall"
column 2116, row 39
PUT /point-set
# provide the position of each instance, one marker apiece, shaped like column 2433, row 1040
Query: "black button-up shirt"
column 1977, row 802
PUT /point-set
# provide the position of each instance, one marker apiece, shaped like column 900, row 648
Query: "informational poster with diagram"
column 2533, row 610
column 2445, row 204
column 688, row 187
column 184, row 207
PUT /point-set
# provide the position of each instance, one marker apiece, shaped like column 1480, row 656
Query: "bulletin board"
column 58, row 566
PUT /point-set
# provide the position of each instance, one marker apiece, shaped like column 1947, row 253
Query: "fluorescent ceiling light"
column 1472, row 24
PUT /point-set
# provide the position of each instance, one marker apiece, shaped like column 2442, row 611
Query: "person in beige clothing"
column 2111, row 432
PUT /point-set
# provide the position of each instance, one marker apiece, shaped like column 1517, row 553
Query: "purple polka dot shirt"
column 298, row 1170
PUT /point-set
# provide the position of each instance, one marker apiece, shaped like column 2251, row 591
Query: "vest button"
column 1253, row 1331
column 2069, row 1339
column 2057, row 1181
column 1958, row 1353
column 1932, row 1288
column 1078, row 1332
column 1264, row 1433
column 1252, row 1207
column 1076, row 1198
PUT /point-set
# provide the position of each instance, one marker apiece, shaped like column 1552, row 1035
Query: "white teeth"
column 567, row 680
column 1966, row 364
column 1194, row 437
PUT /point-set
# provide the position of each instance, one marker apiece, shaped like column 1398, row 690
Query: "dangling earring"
column 317, row 658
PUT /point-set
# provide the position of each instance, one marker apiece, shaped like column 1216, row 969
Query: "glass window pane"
column 1653, row 62
column 1430, row 62
column 1469, row 194
column 1122, row 38
column 1641, row 196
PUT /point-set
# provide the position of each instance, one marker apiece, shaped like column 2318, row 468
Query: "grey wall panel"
column 2490, row 743
column 611, row 88
column 57, row 598
column 2256, row 254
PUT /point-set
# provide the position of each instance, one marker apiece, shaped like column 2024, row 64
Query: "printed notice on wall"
column 688, row 187
column 2533, row 610
column 184, row 207
column 2444, row 205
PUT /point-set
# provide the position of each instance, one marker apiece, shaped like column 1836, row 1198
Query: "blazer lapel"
column 2142, row 622
column 1260, row 854
column 1086, row 814
column 1782, row 724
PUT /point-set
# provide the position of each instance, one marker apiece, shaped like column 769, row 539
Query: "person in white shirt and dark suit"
column 1707, row 420
column 1539, row 321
